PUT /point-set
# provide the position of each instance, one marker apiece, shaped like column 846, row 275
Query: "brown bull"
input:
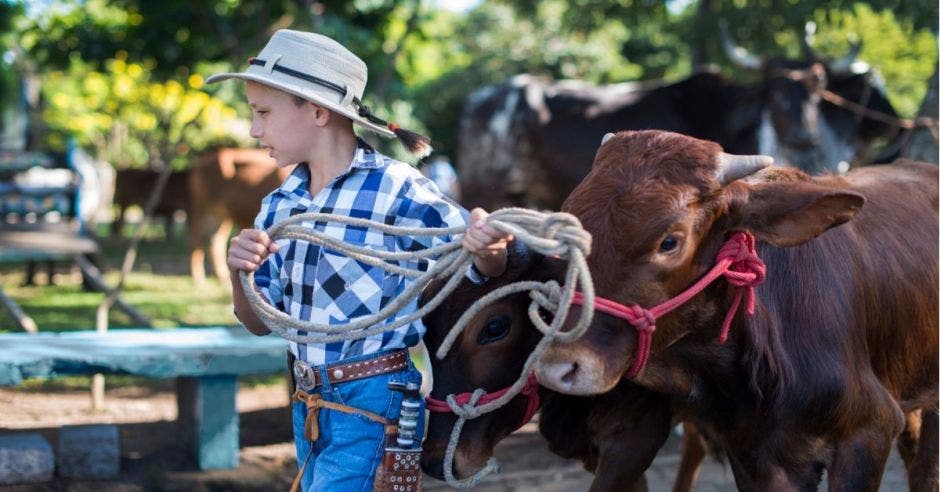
column 840, row 355
column 133, row 187
column 616, row 435
column 226, row 188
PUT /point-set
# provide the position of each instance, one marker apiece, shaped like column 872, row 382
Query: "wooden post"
column 23, row 321
column 208, row 419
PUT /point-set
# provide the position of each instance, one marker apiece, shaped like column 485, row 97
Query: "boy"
column 305, row 91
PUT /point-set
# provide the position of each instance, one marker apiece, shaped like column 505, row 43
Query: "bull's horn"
column 606, row 138
column 847, row 64
column 735, row 53
column 732, row 167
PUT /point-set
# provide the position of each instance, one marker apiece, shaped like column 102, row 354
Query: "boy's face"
column 281, row 126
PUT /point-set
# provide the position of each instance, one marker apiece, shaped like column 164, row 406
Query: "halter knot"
column 746, row 268
column 643, row 319
column 745, row 272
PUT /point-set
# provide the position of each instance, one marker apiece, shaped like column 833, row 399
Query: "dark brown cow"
column 226, row 188
column 841, row 354
column 616, row 435
column 133, row 187
column 529, row 142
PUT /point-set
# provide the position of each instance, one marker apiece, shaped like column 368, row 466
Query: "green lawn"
column 159, row 286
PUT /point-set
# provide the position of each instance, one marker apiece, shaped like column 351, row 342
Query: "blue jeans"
column 350, row 447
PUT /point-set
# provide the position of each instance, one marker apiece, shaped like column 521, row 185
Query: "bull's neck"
column 695, row 360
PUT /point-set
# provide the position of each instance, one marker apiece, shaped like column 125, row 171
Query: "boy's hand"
column 486, row 244
column 249, row 249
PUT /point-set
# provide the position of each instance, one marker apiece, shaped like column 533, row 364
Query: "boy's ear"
column 791, row 213
column 321, row 114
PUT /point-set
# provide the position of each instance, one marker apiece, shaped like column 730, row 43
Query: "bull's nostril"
column 571, row 373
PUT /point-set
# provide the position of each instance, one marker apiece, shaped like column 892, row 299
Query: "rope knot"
column 547, row 295
column 746, row 268
column 567, row 230
column 643, row 319
column 467, row 408
column 745, row 272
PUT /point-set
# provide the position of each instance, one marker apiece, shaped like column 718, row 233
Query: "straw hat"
column 319, row 69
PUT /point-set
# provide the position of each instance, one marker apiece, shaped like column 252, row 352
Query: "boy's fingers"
column 472, row 243
column 257, row 236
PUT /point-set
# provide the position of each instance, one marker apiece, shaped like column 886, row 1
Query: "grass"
column 159, row 286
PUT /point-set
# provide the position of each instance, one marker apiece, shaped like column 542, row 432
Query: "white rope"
column 551, row 234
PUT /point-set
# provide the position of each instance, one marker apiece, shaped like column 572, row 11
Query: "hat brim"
column 305, row 94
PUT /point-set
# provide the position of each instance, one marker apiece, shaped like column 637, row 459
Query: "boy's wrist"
column 490, row 266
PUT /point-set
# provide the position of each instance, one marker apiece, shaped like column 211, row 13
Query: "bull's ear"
column 791, row 213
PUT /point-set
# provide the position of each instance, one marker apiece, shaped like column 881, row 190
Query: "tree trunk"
column 923, row 143
column 704, row 27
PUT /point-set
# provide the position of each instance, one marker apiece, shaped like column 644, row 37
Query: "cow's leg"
column 217, row 250
column 50, row 272
column 752, row 475
column 693, row 453
column 200, row 223
column 909, row 439
column 197, row 265
column 30, row 273
column 625, row 454
column 922, row 473
column 860, row 458
column 117, row 225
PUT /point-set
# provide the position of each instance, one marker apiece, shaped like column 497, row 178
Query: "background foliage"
column 125, row 76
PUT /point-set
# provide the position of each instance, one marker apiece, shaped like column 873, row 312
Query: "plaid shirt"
column 317, row 284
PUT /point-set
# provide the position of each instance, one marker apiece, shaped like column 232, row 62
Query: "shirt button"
column 338, row 374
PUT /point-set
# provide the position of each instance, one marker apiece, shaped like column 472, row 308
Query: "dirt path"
column 152, row 460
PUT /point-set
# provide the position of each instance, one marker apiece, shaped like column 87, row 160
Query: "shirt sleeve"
column 421, row 204
column 267, row 277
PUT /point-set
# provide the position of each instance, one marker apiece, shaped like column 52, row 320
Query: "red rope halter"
column 737, row 261
column 529, row 390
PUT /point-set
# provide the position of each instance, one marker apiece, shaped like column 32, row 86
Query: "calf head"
column 488, row 354
column 659, row 206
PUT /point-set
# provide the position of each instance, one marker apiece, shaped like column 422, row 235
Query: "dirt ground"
column 153, row 461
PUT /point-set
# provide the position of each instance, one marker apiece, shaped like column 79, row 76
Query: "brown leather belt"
column 307, row 377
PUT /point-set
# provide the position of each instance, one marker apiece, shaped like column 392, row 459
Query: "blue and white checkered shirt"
column 316, row 284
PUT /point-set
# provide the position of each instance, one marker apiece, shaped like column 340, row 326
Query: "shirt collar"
column 364, row 157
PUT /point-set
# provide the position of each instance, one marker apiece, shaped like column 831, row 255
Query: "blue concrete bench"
column 206, row 363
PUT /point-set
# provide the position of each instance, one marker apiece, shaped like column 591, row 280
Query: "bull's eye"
column 496, row 328
column 668, row 244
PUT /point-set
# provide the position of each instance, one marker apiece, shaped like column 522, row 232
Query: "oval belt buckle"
column 303, row 375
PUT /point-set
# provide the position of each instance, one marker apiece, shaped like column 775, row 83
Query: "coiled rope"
column 552, row 234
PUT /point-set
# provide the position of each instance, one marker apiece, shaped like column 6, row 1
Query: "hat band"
column 363, row 110
column 300, row 75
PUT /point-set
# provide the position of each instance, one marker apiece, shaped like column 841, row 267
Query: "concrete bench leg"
column 208, row 419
